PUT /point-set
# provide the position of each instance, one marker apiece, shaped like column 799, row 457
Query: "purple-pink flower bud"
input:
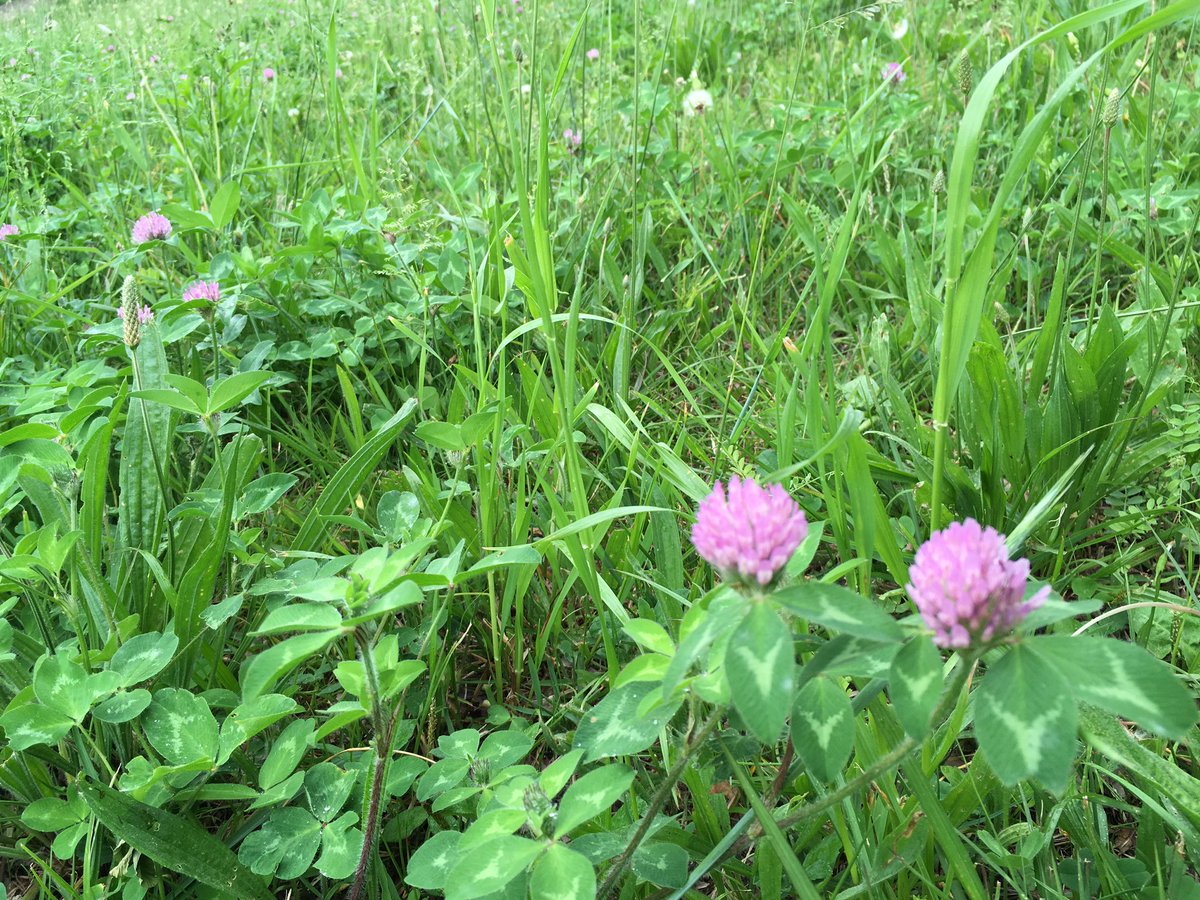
column 7, row 231
column 966, row 588
column 268, row 74
column 151, row 227
column 747, row 531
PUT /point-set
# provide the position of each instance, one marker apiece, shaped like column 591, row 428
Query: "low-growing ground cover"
column 367, row 373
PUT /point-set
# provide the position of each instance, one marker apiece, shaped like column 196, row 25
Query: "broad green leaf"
column 181, row 727
column 762, row 672
column 441, row 776
column 429, row 867
column 61, row 684
column 262, row 672
column 492, row 824
column 490, row 867
column 259, row 713
column 503, row 748
column 263, row 493
column 143, row 656
column 341, row 846
column 593, row 794
column 224, row 204
column 402, row 773
column 169, row 397
column 189, row 387
column 442, row 435
column 650, row 636
column 327, row 787
column 839, row 609
column 219, row 613
column 823, row 727
column 1025, row 720
column 284, row 846
column 287, row 751
column 563, row 874
column 521, row 555
column 556, row 775
column 661, row 863
column 53, row 813
column 280, row 793
column 915, row 684
column 229, row 392
column 1121, row 678
column 123, row 706
column 171, row 841
column 613, row 727
column 300, row 617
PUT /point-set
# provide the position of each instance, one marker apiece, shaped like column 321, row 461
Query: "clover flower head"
column 893, row 73
column 151, row 227
column 572, row 139
column 593, row 54
column 7, row 231
column 202, row 290
column 268, row 74
column 748, row 532
column 697, row 102
column 966, row 588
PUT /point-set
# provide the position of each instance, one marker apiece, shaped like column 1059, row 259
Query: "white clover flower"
column 697, row 102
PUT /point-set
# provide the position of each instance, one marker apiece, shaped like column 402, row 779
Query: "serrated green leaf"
column 562, row 874
column 823, row 727
column 762, row 672
column 1025, row 720
column 915, row 684
column 1121, row 678
column 593, row 794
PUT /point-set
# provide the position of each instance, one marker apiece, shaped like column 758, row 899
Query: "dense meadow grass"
column 346, row 509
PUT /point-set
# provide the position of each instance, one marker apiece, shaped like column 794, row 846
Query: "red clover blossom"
column 966, row 588
column 747, row 531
